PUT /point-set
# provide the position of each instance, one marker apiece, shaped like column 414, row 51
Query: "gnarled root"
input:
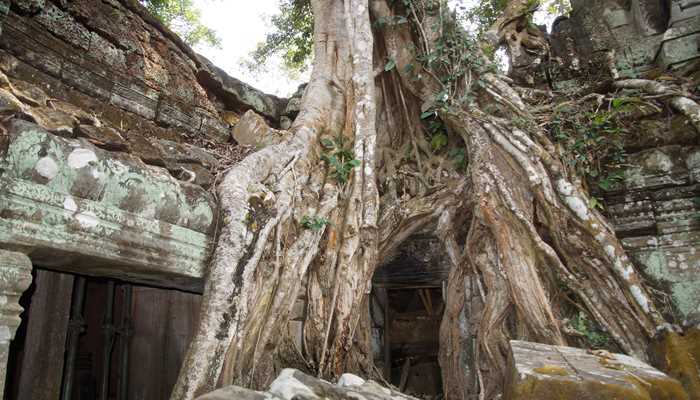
column 532, row 230
column 263, row 253
column 678, row 100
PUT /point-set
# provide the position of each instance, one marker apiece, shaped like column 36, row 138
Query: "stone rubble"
column 292, row 384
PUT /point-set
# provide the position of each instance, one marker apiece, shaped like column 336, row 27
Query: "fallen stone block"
column 235, row 392
column 545, row 372
column 253, row 130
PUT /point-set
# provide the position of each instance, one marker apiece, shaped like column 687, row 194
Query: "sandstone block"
column 103, row 137
column 28, row 93
column 252, row 130
column 544, row 372
column 148, row 151
column 186, row 153
column 8, row 102
column 54, row 121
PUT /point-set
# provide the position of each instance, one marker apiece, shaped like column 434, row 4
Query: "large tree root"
column 531, row 231
column 263, row 254
column 529, row 227
column 678, row 100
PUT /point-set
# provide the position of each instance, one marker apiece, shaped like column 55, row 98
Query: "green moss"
column 679, row 356
column 568, row 389
column 685, row 292
column 552, row 370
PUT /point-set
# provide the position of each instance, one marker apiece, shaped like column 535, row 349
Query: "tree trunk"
column 264, row 252
column 296, row 224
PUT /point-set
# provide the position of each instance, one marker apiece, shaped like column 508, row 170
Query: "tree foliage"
column 292, row 29
column 291, row 36
column 184, row 19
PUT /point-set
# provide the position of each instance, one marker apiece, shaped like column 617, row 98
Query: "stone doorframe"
column 15, row 278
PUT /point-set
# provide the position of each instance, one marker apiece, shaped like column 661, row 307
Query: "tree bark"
column 515, row 226
column 263, row 253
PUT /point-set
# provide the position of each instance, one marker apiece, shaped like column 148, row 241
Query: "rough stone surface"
column 543, row 372
column 147, row 149
column 295, row 385
column 294, row 104
column 54, row 121
column 680, row 41
column 185, row 153
column 253, row 130
column 8, row 102
column 599, row 26
column 656, row 214
column 126, row 63
column 238, row 95
column 111, row 180
column 103, row 137
column 70, row 204
column 28, row 93
column 192, row 173
column 81, row 115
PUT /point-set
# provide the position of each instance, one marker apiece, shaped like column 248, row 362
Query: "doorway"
column 406, row 308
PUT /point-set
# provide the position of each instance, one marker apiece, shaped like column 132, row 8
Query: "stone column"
column 15, row 278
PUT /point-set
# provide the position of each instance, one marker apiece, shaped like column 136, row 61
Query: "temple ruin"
column 114, row 133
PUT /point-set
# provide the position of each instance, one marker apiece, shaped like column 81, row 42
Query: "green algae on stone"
column 73, row 206
column 552, row 370
column 679, row 356
column 545, row 372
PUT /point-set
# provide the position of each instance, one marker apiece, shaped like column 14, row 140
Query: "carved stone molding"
column 15, row 278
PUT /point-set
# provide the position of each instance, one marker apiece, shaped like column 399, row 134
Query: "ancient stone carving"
column 15, row 278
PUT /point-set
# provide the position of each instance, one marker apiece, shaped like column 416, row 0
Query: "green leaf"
column 354, row 163
column 438, row 141
column 617, row 103
column 390, row 65
column 315, row 223
column 427, row 114
column 327, row 143
column 595, row 203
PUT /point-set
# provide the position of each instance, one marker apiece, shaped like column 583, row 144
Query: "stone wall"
column 120, row 59
column 656, row 213
column 669, row 32
column 655, row 209
column 113, row 133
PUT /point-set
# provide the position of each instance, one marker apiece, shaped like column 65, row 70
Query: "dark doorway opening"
column 407, row 307
column 127, row 341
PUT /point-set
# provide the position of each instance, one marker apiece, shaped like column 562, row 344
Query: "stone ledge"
column 77, row 208
column 85, row 237
column 75, row 167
